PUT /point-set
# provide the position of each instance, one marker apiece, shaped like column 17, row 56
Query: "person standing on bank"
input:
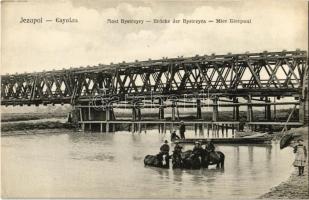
column 182, row 130
column 300, row 156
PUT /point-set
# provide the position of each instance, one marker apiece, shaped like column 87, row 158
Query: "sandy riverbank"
column 296, row 187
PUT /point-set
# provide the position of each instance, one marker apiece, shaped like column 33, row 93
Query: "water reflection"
column 98, row 165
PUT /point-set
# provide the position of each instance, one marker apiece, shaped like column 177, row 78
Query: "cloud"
column 26, row 47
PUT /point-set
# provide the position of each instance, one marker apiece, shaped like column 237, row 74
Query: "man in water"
column 164, row 150
column 182, row 130
column 174, row 136
column 198, row 150
column 177, row 151
column 210, row 150
column 209, row 147
column 177, row 147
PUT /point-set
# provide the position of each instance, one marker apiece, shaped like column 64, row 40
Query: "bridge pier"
column 95, row 119
column 199, row 117
column 268, row 113
column 249, row 111
column 215, row 109
column 235, row 113
column 161, row 115
column 173, row 115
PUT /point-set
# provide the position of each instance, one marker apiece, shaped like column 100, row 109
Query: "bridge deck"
column 192, row 122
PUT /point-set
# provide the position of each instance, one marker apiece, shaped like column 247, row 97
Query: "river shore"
column 296, row 187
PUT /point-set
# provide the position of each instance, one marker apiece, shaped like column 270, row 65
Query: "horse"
column 214, row 158
column 189, row 160
column 186, row 160
column 154, row 161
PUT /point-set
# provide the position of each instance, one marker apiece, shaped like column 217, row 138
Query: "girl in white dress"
column 300, row 156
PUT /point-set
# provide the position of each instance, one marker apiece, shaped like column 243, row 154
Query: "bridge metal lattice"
column 257, row 74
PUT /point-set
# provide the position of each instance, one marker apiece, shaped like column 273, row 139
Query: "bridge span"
column 232, row 81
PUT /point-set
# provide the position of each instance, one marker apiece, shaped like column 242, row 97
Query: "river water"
column 98, row 165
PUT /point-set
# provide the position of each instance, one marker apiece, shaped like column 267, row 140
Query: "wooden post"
column 81, row 114
column 83, row 126
column 268, row 114
column 222, row 130
column 173, row 111
column 215, row 109
column 235, row 110
column 275, row 110
column 199, row 116
column 139, row 128
column 114, row 127
column 249, row 113
column 132, row 127
column 198, row 109
column 101, row 127
column 207, row 130
column 107, row 119
column 89, row 116
column 89, row 112
column 81, row 119
column 164, row 127
column 161, row 115
column 133, row 118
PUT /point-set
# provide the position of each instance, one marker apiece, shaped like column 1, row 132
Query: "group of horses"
column 187, row 160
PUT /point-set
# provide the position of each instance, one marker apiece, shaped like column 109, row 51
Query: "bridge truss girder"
column 257, row 74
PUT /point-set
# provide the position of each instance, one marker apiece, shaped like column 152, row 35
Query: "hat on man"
column 165, row 141
column 300, row 139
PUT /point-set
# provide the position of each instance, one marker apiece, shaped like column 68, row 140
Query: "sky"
column 276, row 25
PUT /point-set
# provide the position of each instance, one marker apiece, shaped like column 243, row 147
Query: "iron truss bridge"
column 232, row 75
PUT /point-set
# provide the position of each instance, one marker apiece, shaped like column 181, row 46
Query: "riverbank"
column 296, row 187
column 35, row 132
column 29, row 125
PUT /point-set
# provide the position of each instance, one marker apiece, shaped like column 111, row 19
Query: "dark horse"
column 214, row 158
column 155, row 161
column 189, row 160
column 186, row 160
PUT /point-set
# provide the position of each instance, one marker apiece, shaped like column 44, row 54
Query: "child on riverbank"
column 300, row 156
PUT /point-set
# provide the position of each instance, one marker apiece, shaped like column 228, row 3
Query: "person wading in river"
column 177, row 151
column 199, row 151
column 164, row 150
column 174, row 136
column 300, row 156
column 182, row 130
column 209, row 147
column 210, row 150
